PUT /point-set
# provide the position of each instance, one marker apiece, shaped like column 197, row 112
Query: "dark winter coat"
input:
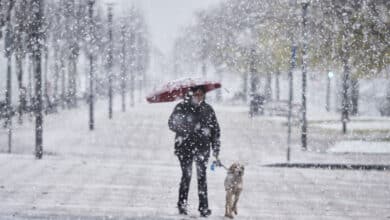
column 196, row 127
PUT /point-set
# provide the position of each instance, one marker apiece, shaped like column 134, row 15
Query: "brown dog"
column 233, row 187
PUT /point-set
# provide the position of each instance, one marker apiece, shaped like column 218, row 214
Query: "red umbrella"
column 175, row 90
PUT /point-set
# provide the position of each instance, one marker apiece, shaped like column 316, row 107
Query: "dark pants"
column 186, row 160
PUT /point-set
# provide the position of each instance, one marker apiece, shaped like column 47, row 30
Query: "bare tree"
column 8, row 54
column 36, row 38
column 123, row 54
column 21, row 16
column 110, row 62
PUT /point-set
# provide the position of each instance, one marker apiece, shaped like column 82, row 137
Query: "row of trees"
column 351, row 36
column 35, row 37
column 264, row 38
column 71, row 32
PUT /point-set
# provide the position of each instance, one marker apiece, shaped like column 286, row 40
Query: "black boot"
column 205, row 212
column 182, row 209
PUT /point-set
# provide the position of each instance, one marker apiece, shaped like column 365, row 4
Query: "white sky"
column 165, row 17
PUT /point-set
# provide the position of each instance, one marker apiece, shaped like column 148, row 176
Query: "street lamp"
column 329, row 77
column 292, row 5
column 305, row 5
column 346, row 71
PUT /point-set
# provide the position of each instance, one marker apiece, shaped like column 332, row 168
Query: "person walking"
column 197, row 132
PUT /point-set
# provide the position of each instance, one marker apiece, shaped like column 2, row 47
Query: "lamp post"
column 346, row 48
column 290, row 82
column 290, row 97
column 329, row 77
column 305, row 5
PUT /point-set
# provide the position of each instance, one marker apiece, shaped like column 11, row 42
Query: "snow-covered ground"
column 126, row 169
column 364, row 125
column 376, row 147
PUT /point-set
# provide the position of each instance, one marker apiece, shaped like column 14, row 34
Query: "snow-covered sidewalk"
column 120, row 189
column 126, row 169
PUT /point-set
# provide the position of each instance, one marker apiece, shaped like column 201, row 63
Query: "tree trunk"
column 346, row 73
column 327, row 105
column 8, row 53
column 204, row 65
column 22, row 91
column 71, row 97
column 268, row 87
column 46, row 82
column 110, row 60
column 63, row 86
column 345, row 101
column 123, row 68
column 38, row 105
column 8, row 100
column 354, row 96
column 385, row 108
column 36, row 39
column 255, row 103
column 74, row 89
column 277, row 86
column 123, row 87
column 132, row 85
column 218, row 93
column 55, row 78
column 253, row 77
column 71, row 27
column 132, row 57
column 290, row 96
column 30, row 84
column 245, row 86
column 91, row 94
column 91, row 90
column 304, row 80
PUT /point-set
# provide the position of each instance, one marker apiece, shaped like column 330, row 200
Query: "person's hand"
column 218, row 162
column 216, row 154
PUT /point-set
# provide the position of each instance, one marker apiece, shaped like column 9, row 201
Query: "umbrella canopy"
column 175, row 90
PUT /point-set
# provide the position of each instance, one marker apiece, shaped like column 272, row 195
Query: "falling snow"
column 87, row 88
